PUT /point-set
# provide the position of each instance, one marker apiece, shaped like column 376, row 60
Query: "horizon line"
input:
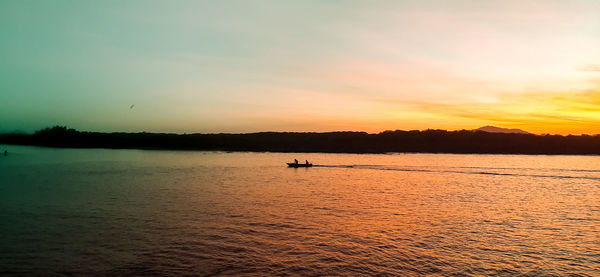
column 300, row 132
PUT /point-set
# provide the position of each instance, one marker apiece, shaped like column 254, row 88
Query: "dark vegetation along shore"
column 428, row 141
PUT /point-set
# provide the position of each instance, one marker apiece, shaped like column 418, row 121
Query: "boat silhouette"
column 299, row 165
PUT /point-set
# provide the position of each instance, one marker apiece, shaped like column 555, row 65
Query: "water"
column 129, row 212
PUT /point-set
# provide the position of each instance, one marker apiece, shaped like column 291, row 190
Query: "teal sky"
column 243, row 66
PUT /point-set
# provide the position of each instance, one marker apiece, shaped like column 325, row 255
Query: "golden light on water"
column 131, row 212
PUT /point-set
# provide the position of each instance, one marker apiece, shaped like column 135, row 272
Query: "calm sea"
column 105, row 212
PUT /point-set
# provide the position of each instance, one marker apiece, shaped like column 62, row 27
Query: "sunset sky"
column 246, row 66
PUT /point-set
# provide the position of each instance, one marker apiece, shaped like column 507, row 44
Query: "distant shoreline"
column 282, row 152
column 428, row 141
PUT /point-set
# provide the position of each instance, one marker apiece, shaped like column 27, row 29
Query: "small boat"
column 298, row 165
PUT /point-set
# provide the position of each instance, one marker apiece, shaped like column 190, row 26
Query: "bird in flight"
column 131, row 107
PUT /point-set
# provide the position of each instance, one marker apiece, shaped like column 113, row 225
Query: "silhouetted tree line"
column 428, row 141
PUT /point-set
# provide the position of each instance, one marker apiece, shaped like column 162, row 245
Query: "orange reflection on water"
column 433, row 214
column 127, row 212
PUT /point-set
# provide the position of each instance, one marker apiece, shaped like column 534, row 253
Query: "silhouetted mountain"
column 428, row 141
column 494, row 129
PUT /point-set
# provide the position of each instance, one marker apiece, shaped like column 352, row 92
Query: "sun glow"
column 312, row 66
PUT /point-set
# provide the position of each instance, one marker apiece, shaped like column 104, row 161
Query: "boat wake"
column 516, row 172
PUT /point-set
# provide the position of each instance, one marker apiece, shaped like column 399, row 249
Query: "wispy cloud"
column 589, row 68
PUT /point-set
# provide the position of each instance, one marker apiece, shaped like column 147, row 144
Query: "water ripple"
column 213, row 214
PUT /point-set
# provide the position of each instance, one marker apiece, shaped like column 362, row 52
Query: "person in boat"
column 306, row 162
column 295, row 161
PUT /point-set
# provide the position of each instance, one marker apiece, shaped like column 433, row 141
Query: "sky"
column 248, row 66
